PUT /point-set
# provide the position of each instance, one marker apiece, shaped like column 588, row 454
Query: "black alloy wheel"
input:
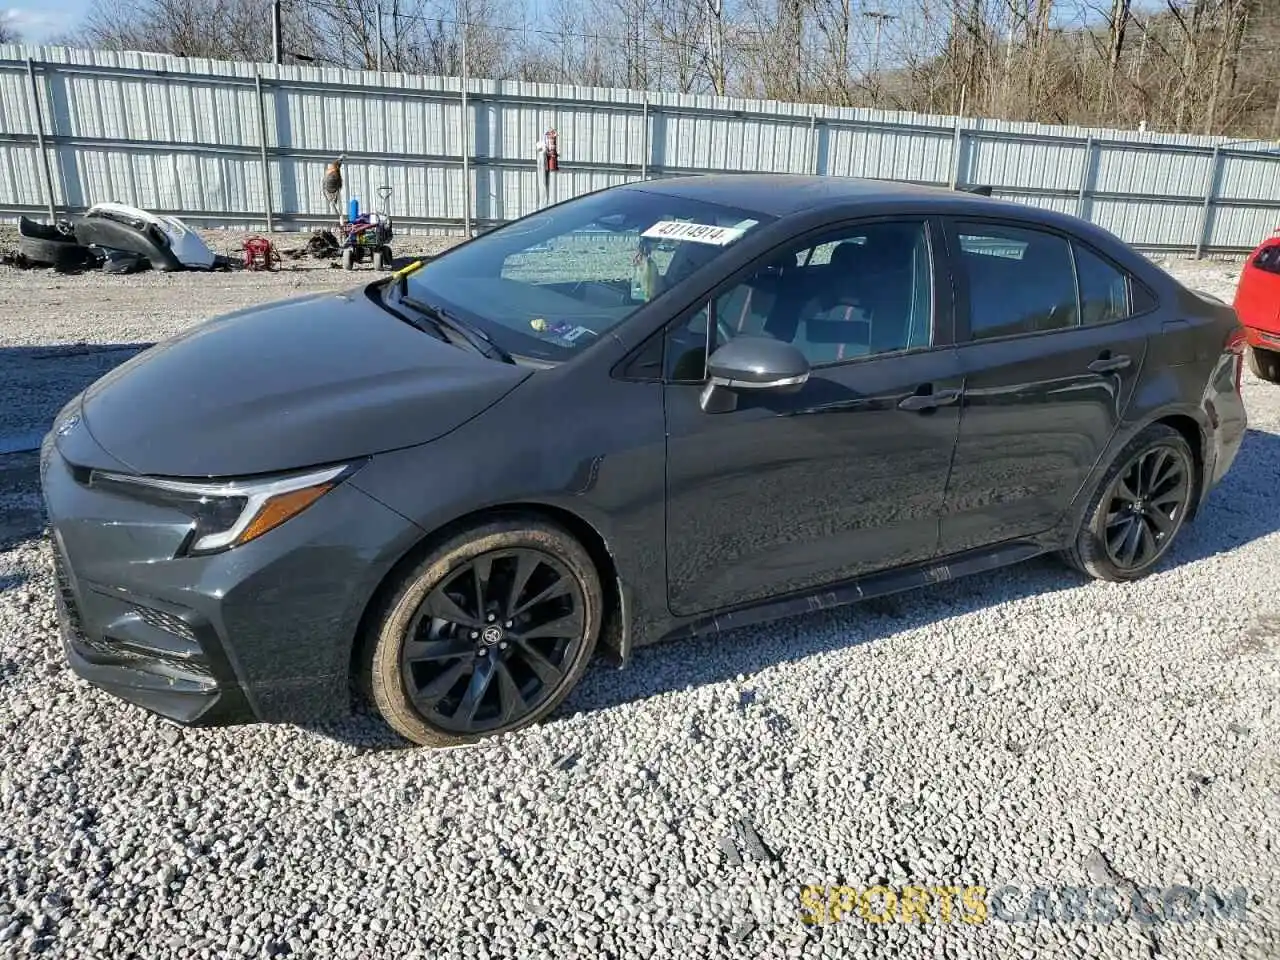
column 1139, row 507
column 1146, row 506
column 489, row 643
column 487, row 635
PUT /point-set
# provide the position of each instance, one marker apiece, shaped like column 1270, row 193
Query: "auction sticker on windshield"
column 694, row 232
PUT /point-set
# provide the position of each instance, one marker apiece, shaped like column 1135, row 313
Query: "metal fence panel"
column 892, row 154
column 1145, row 172
column 1240, row 227
column 19, row 172
column 1244, row 178
column 1059, row 204
column 219, row 142
column 1024, row 164
column 15, row 103
column 1152, row 224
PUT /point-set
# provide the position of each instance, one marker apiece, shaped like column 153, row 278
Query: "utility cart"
column 368, row 236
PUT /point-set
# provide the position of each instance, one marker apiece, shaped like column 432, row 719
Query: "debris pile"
column 116, row 237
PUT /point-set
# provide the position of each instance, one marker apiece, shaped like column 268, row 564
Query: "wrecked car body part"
column 50, row 244
column 167, row 242
column 122, row 261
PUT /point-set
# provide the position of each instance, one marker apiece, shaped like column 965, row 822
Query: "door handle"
column 1106, row 364
column 927, row 401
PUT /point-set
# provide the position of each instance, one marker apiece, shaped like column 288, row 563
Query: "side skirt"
column 864, row 588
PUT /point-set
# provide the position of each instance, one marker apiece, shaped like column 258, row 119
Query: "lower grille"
column 65, row 597
column 167, row 622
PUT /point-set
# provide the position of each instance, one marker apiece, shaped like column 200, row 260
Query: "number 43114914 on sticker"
column 695, row 232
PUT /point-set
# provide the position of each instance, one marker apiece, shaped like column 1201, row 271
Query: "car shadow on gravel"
column 21, row 510
column 1238, row 511
column 35, row 382
column 8, row 581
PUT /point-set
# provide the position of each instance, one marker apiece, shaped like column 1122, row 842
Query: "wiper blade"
column 442, row 320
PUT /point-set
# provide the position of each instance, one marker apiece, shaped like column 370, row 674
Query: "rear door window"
column 1019, row 280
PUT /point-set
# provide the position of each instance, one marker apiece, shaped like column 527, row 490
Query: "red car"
column 1258, row 305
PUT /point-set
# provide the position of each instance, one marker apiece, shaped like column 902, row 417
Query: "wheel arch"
column 1188, row 425
column 615, row 633
column 1194, row 434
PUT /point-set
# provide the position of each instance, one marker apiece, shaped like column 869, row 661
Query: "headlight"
column 229, row 513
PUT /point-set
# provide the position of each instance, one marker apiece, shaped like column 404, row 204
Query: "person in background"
column 332, row 186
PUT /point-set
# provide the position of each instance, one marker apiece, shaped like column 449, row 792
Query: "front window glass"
column 553, row 283
column 867, row 290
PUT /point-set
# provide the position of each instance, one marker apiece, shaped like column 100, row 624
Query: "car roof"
column 785, row 195
column 782, row 194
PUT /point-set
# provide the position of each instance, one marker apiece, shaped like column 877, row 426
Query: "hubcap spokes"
column 493, row 640
column 1147, row 503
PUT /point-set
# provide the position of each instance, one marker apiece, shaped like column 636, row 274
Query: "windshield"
column 552, row 283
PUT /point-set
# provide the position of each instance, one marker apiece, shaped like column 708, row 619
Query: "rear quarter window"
column 1268, row 259
column 1104, row 288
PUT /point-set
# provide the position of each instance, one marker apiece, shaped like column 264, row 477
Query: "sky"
column 40, row 21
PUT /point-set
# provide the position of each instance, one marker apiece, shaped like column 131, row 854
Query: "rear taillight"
column 1235, row 345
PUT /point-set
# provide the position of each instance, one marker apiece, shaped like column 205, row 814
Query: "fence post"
column 956, row 144
column 37, row 113
column 1084, row 176
column 817, row 150
column 809, row 145
column 1210, row 188
column 644, row 139
column 262, row 140
column 466, row 140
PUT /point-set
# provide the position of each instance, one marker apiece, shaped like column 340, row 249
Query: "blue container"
column 353, row 209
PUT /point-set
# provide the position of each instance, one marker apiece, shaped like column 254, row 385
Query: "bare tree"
column 717, row 67
column 679, row 27
column 1202, row 65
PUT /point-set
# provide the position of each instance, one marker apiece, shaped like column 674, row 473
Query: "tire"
column 1264, row 364
column 493, row 653
column 348, row 258
column 59, row 254
column 1161, row 451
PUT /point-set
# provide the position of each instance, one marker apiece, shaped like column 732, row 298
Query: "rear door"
column 1051, row 338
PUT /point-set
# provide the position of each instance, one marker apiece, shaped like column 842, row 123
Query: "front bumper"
column 260, row 632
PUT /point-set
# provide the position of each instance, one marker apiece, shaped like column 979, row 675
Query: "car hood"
column 311, row 380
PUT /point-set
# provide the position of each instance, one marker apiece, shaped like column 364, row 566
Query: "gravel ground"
column 1023, row 728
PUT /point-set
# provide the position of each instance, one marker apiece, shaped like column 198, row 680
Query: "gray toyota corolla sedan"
column 662, row 409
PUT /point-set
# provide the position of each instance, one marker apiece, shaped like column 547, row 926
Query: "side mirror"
column 752, row 363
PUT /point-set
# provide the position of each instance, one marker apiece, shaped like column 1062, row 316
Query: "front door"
column 1050, row 349
column 847, row 475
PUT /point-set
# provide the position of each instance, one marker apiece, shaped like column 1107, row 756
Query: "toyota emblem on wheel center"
column 491, row 635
